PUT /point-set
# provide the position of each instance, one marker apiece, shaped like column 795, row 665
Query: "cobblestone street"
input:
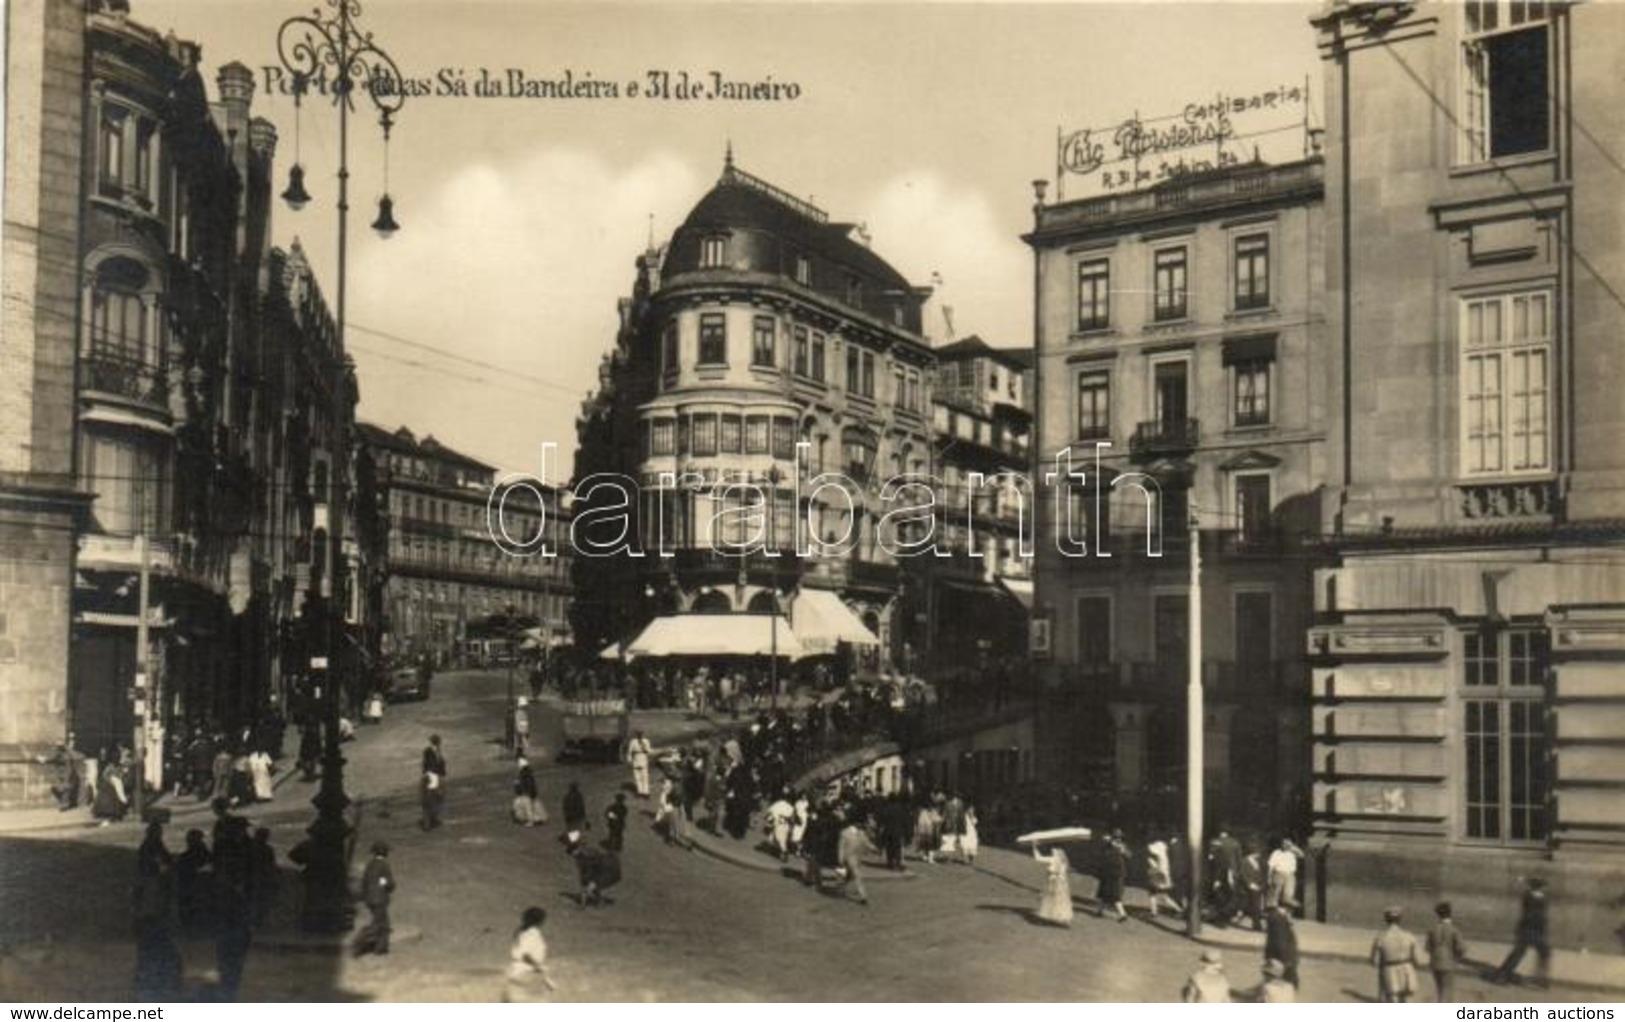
column 682, row 926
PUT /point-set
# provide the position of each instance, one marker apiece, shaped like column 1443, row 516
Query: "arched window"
column 118, row 314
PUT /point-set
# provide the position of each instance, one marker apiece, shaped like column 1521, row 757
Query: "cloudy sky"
column 483, row 320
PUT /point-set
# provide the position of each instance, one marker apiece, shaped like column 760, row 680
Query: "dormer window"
column 854, row 291
column 713, row 252
column 803, row 271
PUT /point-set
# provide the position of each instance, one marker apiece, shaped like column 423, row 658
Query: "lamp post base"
column 327, row 906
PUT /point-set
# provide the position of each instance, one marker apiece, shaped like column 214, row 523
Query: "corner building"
column 760, row 326
column 1180, row 358
column 1468, row 684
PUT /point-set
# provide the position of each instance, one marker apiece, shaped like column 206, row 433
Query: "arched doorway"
column 712, row 602
column 761, row 603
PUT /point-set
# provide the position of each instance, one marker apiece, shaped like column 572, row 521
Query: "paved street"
column 682, row 926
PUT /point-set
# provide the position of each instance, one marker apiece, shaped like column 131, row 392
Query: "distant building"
column 445, row 571
column 761, row 326
column 1182, row 348
column 1469, row 690
column 969, row 609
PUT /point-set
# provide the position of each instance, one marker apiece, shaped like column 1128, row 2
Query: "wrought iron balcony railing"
column 1165, row 436
column 113, row 372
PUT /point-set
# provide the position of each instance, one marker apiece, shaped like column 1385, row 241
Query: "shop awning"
column 1021, row 589
column 713, row 635
column 822, row 621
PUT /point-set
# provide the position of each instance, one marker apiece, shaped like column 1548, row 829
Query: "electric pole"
column 1193, row 733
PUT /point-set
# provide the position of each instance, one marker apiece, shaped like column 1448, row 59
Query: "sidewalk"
column 1581, row 971
column 186, row 807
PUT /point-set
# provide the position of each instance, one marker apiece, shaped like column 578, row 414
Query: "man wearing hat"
column 1531, row 933
column 1208, row 984
column 1394, row 954
column 1445, row 948
column 377, row 885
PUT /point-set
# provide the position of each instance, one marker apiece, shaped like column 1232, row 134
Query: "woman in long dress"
column 527, row 961
column 971, row 841
column 1056, row 905
column 927, row 832
column 259, row 764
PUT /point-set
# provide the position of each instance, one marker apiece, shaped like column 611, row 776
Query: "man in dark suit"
column 1531, row 933
column 377, row 886
column 434, row 783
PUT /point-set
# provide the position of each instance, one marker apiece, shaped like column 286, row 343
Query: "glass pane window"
column 1506, row 413
column 764, row 341
column 801, row 348
column 1252, row 272
column 756, row 430
column 732, row 435
column 816, row 368
column 1505, row 735
column 663, row 437
column 1252, row 392
column 713, row 252
column 668, row 348
column 705, row 435
column 1168, row 283
column 713, row 339
column 1094, row 406
column 1094, row 294
column 1506, row 79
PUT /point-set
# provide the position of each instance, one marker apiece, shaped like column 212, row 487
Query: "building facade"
column 41, row 505
column 967, row 609
column 1469, row 691
column 761, row 329
column 1181, row 353
column 205, row 410
column 449, row 563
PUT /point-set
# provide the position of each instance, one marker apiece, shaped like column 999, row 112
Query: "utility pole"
column 1193, row 733
column 139, row 782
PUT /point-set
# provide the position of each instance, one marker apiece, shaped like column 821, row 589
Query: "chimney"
column 262, row 138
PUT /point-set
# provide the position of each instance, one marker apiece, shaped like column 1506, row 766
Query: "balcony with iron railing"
column 1161, row 437
column 110, row 371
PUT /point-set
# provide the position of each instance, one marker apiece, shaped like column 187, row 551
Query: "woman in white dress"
column 1056, row 905
column 259, row 765
column 798, row 821
column 970, row 841
column 527, row 961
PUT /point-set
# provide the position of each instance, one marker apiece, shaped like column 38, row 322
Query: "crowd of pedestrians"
column 222, row 886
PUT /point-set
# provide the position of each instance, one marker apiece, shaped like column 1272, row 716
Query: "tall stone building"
column 1469, row 697
column 40, row 504
column 184, row 399
column 1181, row 348
column 760, row 326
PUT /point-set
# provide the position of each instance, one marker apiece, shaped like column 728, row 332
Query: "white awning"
column 822, row 621
column 1021, row 589
column 713, row 635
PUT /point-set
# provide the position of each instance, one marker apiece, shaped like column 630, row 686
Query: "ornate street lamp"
column 326, row 48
